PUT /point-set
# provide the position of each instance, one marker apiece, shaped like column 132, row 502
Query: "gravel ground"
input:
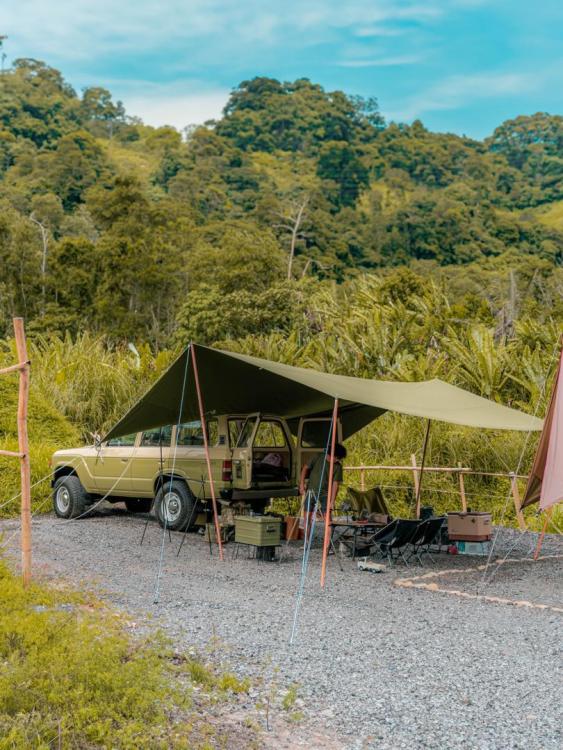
column 377, row 666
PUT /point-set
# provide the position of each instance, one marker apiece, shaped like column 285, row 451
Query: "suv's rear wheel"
column 69, row 497
column 175, row 506
column 138, row 505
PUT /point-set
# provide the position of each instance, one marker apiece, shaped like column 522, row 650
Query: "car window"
column 123, row 440
column 246, row 433
column 157, row 437
column 191, row 433
column 270, row 435
column 315, row 434
column 235, row 426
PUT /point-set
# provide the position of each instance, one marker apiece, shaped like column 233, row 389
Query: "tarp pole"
column 426, row 436
column 207, row 457
column 328, row 514
column 545, row 524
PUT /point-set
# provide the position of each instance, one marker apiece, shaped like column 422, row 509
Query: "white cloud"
column 458, row 90
column 85, row 29
column 178, row 109
column 381, row 61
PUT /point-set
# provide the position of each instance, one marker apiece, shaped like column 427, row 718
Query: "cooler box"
column 261, row 531
column 470, row 527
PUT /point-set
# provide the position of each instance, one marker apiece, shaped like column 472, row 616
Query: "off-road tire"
column 70, row 499
column 180, row 502
column 138, row 505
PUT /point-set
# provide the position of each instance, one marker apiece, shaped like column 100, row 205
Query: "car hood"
column 88, row 450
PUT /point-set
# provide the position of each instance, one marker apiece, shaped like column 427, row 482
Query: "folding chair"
column 368, row 501
column 424, row 537
column 403, row 532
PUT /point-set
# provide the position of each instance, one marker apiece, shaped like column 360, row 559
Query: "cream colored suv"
column 254, row 458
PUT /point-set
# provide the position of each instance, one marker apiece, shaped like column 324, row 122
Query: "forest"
column 299, row 226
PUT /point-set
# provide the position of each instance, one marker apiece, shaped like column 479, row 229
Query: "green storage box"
column 261, row 531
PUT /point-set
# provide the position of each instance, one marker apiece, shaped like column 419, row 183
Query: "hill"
column 106, row 224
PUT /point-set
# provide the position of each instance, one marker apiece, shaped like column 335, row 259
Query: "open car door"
column 312, row 439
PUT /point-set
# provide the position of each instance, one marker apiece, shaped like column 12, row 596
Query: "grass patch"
column 73, row 677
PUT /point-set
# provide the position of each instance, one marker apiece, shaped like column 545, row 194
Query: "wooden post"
column 516, row 497
column 462, row 490
column 547, row 514
column 415, row 473
column 207, row 458
column 363, row 479
column 23, row 444
column 328, row 513
column 426, row 436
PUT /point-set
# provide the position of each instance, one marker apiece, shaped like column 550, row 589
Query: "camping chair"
column 403, row 532
column 379, row 537
column 424, row 536
column 367, row 501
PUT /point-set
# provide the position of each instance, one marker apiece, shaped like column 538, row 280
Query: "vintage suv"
column 254, row 458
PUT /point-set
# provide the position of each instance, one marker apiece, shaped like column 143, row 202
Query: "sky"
column 460, row 66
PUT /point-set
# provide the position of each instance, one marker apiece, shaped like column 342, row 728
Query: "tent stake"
column 207, row 458
column 328, row 514
column 418, row 489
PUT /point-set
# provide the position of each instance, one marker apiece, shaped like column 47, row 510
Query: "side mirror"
column 97, row 440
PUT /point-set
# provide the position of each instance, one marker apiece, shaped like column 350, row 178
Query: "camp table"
column 340, row 532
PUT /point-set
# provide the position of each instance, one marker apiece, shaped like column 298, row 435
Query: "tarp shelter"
column 545, row 483
column 234, row 383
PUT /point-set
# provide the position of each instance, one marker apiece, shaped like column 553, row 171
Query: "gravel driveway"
column 377, row 666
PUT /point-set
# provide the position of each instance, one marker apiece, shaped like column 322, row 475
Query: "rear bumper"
column 259, row 494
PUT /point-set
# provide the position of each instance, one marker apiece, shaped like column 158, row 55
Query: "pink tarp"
column 546, row 478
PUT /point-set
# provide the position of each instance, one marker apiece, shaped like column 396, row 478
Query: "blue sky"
column 459, row 65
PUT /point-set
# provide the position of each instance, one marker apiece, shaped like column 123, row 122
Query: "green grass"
column 73, row 677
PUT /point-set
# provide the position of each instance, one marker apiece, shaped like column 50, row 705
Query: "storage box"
column 470, row 527
column 292, row 527
column 474, row 548
column 261, row 531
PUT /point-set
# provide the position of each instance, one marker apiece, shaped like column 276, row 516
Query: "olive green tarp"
column 239, row 384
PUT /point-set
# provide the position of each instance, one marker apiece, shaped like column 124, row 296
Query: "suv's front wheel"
column 69, row 497
column 174, row 506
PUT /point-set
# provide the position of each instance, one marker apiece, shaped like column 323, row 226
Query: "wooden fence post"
column 462, row 490
column 363, row 479
column 516, row 497
column 23, row 444
column 414, row 473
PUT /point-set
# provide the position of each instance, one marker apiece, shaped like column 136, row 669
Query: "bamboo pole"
column 11, row 454
column 415, row 473
column 548, row 513
column 424, row 449
column 207, row 457
column 14, row 368
column 516, row 497
column 462, row 491
column 363, row 480
column 328, row 513
column 23, row 444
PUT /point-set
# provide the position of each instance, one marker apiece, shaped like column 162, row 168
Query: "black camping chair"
column 364, row 549
column 403, row 532
column 426, row 535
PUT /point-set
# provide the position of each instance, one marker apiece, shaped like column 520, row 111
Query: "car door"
column 112, row 468
column 312, row 439
column 241, row 435
column 150, row 459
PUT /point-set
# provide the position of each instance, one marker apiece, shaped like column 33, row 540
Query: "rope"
column 15, row 497
column 156, row 597
column 308, row 543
